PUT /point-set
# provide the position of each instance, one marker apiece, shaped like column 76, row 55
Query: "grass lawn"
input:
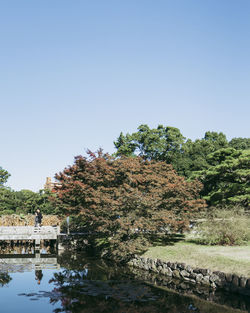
column 227, row 259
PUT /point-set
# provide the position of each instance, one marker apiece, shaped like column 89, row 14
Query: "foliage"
column 124, row 199
column 240, row 143
column 169, row 145
column 161, row 144
column 25, row 201
column 195, row 153
column 4, row 278
column 4, row 175
column 224, row 227
column 226, row 181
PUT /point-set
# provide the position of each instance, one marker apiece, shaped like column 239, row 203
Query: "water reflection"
column 4, row 278
column 81, row 284
column 38, row 276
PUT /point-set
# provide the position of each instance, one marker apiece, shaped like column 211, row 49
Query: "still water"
column 44, row 283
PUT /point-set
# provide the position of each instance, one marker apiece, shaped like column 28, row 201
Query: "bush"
column 224, row 227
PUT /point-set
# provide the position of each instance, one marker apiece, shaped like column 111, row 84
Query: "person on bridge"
column 38, row 218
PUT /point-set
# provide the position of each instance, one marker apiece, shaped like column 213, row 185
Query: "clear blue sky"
column 74, row 74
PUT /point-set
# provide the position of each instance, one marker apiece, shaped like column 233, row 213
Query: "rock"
column 205, row 272
column 184, row 273
column 186, row 279
column 205, row 280
column 181, row 266
column 221, row 275
column 183, row 286
column 153, row 267
column 176, row 274
column 235, row 281
column 189, row 269
column 193, row 275
column 199, row 278
column 228, row 277
column 173, row 266
column 196, row 270
column 213, row 285
column 242, row 282
column 248, row 283
column 214, row 278
column 167, row 271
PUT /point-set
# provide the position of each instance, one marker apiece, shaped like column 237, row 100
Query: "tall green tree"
column 195, row 153
column 169, row 145
column 227, row 179
column 160, row 144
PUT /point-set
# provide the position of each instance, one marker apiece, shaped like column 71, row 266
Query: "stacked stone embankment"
column 206, row 277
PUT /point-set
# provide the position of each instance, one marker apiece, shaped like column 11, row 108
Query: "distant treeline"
column 25, row 201
column 222, row 166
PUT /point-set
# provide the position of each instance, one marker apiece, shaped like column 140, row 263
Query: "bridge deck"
column 29, row 232
column 28, row 262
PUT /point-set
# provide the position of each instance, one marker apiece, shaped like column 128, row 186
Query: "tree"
column 227, row 179
column 240, row 143
column 195, row 153
column 125, row 199
column 26, row 201
column 8, row 201
column 161, row 144
column 4, row 175
column 169, row 145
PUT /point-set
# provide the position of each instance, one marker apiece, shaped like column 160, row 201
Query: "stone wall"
column 186, row 273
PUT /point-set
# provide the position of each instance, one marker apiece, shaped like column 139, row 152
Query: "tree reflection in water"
column 4, row 278
column 76, row 293
column 90, row 285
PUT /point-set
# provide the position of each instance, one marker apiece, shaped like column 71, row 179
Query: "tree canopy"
column 227, row 179
column 124, row 199
column 198, row 158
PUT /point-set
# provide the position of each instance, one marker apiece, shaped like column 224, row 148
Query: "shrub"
column 224, row 227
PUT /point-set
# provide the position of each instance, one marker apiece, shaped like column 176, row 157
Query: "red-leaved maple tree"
column 123, row 200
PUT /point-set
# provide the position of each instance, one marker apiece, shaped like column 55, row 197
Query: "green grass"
column 227, row 259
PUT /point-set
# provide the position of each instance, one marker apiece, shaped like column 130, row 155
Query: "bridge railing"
column 29, row 230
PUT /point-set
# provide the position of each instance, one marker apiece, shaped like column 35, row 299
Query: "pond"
column 77, row 283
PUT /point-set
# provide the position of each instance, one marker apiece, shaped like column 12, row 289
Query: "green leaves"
column 227, row 179
column 4, row 175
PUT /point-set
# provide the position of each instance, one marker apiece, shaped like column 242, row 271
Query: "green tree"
column 240, row 143
column 169, row 145
column 195, row 153
column 8, row 201
column 227, row 179
column 4, row 175
column 161, row 144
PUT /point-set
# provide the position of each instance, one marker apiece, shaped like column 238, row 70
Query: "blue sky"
column 74, row 74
